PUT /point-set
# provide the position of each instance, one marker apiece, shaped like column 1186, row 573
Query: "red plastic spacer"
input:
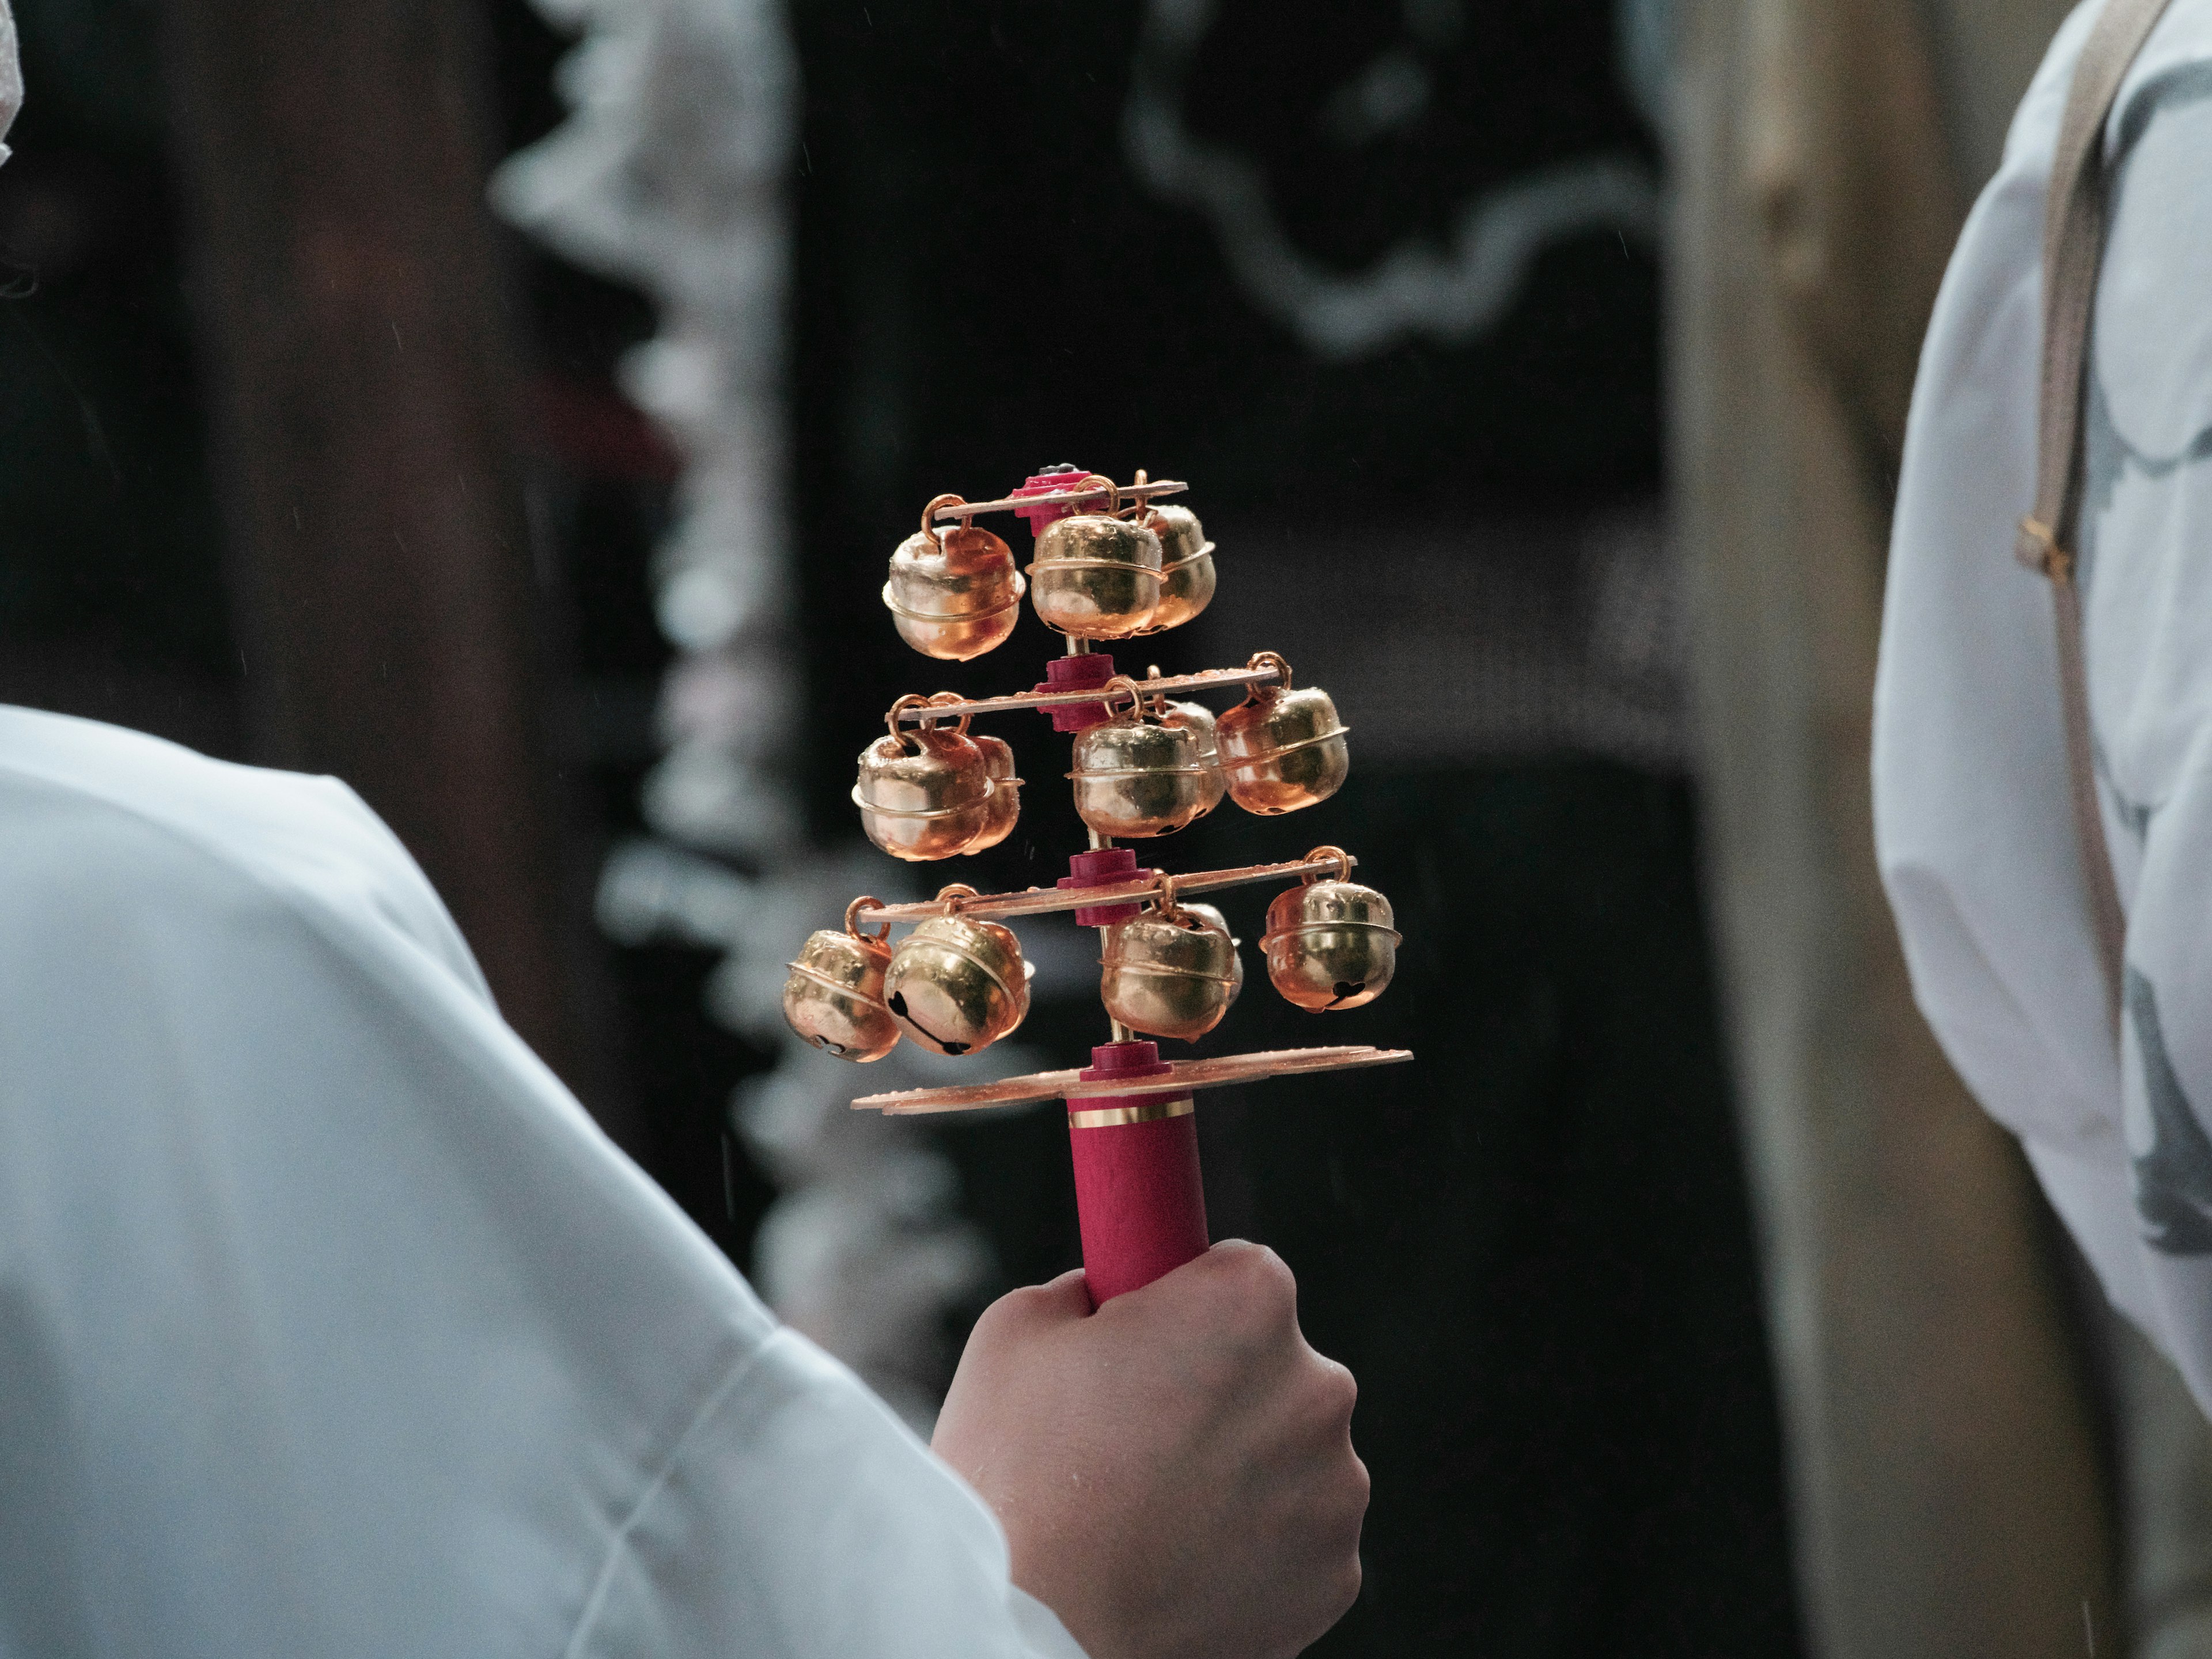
column 1062, row 476
column 1098, row 869
column 1079, row 673
column 1139, row 1196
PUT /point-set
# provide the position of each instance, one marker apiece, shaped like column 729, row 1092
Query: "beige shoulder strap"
column 2073, row 246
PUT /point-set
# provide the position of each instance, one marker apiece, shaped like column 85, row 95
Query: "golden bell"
column 953, row 594
column 1096, row 576
column 923, row 793
column 834, row 998
column 1172, row 971
column 1136, row 776
column 1198, row 719
column 1187, row 575
column 1004, row 809
column 1281, row 749
column 1330, row 945
column 956, row 985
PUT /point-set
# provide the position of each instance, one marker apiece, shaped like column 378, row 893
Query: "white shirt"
column 1971, row 818
column 330, row 1325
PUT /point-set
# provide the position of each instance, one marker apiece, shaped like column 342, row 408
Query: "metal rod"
column 1214, row 679
column 1044, row 901
column 1054, row 497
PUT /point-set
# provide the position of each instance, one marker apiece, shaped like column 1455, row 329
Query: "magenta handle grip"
column 1139, row 1196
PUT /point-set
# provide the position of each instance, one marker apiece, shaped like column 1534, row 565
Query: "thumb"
column 1057, row 1302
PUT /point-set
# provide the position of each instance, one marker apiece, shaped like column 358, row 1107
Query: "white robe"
column 330, row 1327
column 1972, row 824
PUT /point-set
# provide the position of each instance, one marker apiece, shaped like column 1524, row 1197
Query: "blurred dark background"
column 1533, row 1245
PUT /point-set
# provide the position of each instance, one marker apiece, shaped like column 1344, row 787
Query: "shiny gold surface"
column 1187, row 573
column 957, row 986
column 1197, row 719
column 1330, row 945
column 953, row 595
column 834, row 998
column 1170, row 972
column 923, row 794
column 1115, row 1117
column 1004, row 808
column 1096, row 577
column 1136, row 776
column 1282, row 748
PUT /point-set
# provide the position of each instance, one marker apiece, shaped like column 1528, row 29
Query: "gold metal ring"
column 1325, row 851
column 1243, row 763
column 1275, row 661
column 865, row 902
column 1021, row 593
column 928, row 528
column 1115, row 1117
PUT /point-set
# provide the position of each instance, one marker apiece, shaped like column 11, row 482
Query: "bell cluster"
column 1142, row 766
column 934, row 791
column 957, row 983
column 1111, row 575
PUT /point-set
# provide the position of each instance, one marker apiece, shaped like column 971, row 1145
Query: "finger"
column 1057, row 1302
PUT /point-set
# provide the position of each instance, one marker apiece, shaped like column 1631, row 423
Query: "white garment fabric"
column 330, row 1327
column 11, row 75
column 1971, row 816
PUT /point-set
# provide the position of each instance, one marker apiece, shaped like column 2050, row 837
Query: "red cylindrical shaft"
column 1137, row 1194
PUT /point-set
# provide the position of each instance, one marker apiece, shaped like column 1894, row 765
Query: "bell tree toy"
column 1147, row 762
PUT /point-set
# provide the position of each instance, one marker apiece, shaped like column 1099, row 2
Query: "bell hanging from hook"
column 1330, row 945
column 1136, row 776
column 1097, row 575
column 957, row 984
column 1281, row 749
column 1004, row 809
column 924, row 792
column 1172, row 971
column 1187, row 573
column 953, row 594
column 1197, row 719
column 834, row 999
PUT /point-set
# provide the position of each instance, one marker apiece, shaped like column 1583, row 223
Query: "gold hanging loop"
column 929, row 529
column 1275, row 661
column 865, row 902
column 1343, row 864
column 912, row 699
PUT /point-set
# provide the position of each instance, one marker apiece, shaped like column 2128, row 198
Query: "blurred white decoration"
column 1453, row 292
column 671, row 175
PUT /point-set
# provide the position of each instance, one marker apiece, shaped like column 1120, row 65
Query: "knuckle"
column 1339, row 1389
column 1345, row 1591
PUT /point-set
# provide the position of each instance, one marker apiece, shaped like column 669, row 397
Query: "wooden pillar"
column 1942, row 1454
column 357, row 348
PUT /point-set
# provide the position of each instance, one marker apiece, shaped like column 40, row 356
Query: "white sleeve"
column 1973, row 821
column 331, row 1326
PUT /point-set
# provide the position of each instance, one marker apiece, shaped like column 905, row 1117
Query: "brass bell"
column 1330, row 945
column 1097, row 575
column 1281, row 749
column 953, row 594
column 1198, row 719
column 1187, row 575
column 957, row 985
column 925, row 793
column 1136, row 775
column 834, row 998
column 1172, row 971
column 1004, row 808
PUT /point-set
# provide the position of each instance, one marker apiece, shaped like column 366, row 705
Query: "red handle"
column 1138, row 1194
